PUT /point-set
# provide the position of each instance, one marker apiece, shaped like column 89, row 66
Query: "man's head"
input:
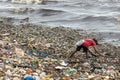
column 95, row 41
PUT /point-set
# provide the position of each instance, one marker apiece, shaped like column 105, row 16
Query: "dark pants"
column 83, row 47
column 85, row 50
column 78, row 49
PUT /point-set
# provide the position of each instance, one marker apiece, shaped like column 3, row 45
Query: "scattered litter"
column 39, row 53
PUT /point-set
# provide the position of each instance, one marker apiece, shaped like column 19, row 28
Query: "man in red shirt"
column 85, row 44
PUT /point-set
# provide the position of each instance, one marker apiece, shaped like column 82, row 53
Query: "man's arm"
column 97, row 51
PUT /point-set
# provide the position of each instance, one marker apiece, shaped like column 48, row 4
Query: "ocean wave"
column 25, row 1
column 40, row 11
column 49, row 12
column 99, row 18
column 32, row 1
column 4, row 0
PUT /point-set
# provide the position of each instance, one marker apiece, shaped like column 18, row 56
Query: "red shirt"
column 89, row 42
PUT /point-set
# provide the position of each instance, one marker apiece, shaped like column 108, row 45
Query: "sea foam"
column 27, row 1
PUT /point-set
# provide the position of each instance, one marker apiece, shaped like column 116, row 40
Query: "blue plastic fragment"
column 41, row 54
column 29, row 78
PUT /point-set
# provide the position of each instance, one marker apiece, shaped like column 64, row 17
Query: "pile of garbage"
column 30, row 52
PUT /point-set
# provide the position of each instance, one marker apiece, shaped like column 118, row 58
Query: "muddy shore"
column 57, row 42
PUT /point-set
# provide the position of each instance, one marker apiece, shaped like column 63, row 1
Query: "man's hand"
column 102, row 55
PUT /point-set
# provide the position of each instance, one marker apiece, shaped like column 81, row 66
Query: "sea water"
column 91, row 15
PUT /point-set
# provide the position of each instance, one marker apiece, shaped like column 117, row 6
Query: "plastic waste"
column 16, row 78
column 70, row 71
column 6, row 34
column 63, row 63
column 29, row 71
column 42, row 54
column 63, row 78
column 106, row 78
column 8, row 52
column 8, row 73
column 19, row 62
column 48, row 78
column 83, row 77
column 2, row 65
column 37, row 77
column 29, row 78
column 59, row 67
column 42, row 75
column 30, row 52
column 19, row 52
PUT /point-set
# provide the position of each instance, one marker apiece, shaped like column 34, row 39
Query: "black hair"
column 95, row 41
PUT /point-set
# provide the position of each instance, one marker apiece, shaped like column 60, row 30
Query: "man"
column 85, row 44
